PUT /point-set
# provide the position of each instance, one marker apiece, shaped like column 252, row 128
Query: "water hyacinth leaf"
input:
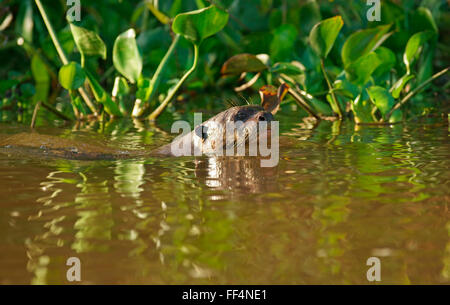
column 41, row 78
column 388, row 61
column 400, row 84
column 362, row 110
column 360, row 71
column 382, row 98
column 286, row 68
column 363, row 42
column 88, row 42
column 414, row 46
column 71, row 76
column 324, row 34
column 243, row 63
column 397, row 116
column 346, row 88
column 126, row 57
column 321, row 107
column 283, row 41
column 39, row 70
column 200, row 24
column 102, row 96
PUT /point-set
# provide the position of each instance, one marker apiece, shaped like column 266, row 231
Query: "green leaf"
column 88, row 42
column 363, row 42
column 243, row 63
column 324, row 34
column 399, row 84
column 321, row 107
column 360, row 71
column 102, row 96
column 387, row 61
column 41, row 77
column 200, row 24
column 397, row 116
column 346, row 88
column 414, row 47
column 126, row 57
column 282, row 44
column 362, row 110
column 381, row 98
column 71, row 76
column 39, row 70
column 286, row 68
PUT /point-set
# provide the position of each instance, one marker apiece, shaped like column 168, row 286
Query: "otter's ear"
column 271, row 97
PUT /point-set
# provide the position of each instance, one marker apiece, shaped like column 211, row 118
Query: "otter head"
column 238, row 125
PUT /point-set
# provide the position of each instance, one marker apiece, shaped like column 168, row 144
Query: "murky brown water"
column 337, row 197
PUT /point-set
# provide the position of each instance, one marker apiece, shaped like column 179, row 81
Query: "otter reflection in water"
column 207, row 138
column 236, row 173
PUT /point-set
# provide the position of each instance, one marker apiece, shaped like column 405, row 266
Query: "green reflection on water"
column 339, row 195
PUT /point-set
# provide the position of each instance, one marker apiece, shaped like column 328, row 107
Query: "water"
column 338, row 196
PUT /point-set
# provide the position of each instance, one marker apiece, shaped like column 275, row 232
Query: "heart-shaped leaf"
column 200, row 24
column 414, row 46
column 71, row 76
column 324, row 34
column 243, row 63
column 387, row 61
column 359, row 72
column 363, row 42
column 381, row 98
column 126, row 57
column 88, row 42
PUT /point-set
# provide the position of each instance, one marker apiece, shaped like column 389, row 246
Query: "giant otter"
column 203, row 138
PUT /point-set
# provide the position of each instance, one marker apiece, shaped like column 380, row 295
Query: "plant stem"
column 335, row 105
column 49, row 26
column 61, row 53
column 172, row 92
column 55, row 111
column 35, row 112
column 415, row 91
column 139, row 106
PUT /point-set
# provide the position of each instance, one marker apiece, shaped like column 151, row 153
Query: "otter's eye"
column 241, row 116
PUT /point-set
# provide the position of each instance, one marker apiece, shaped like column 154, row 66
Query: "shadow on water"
column 339, row 195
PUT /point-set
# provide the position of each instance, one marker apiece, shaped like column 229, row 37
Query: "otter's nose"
column 265, row 116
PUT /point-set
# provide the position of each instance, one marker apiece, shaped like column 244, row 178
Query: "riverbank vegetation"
column 142, row 58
